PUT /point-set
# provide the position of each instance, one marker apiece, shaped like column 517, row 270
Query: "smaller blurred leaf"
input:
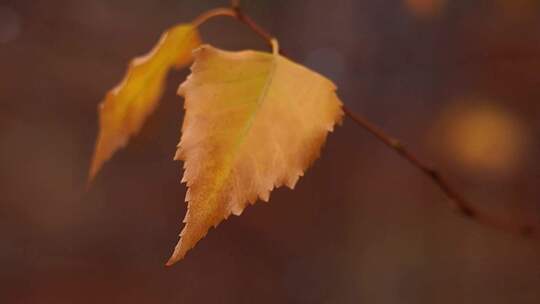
column 126, row 107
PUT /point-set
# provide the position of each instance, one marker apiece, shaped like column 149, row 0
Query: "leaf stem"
column 458, row 201
column 235, row 12
column 221, row 11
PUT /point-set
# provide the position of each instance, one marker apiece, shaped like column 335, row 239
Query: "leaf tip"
column 171, row 262
column 178, row 254
column 95, row 166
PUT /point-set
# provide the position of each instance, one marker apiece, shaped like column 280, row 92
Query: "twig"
column 462, row 205
column 252, row 24
column 221, row 11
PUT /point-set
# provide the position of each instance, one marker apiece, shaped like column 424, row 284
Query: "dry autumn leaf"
column 254, row 121
column 125, row 108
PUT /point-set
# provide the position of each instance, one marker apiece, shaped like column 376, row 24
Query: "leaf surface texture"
column 254, row 121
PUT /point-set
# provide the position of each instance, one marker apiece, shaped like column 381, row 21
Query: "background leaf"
column 125, row 108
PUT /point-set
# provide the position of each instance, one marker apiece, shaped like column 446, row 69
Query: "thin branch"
column 462, row 205
column 459, row 202
column 253, row 25
column 221, row 11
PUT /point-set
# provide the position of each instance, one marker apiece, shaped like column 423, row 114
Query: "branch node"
column 396, row 144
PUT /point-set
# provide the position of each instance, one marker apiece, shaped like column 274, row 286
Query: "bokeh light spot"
column 483, row 137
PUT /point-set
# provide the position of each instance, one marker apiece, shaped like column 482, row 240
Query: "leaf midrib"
column 245, row 132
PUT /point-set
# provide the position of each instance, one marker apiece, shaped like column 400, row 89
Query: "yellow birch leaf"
column 254, row 121
column 125, row 108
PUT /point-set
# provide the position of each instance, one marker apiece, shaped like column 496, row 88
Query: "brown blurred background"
column 457, row 80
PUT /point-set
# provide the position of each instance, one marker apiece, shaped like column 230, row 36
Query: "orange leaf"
column 126, row 107
column 254, row 121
